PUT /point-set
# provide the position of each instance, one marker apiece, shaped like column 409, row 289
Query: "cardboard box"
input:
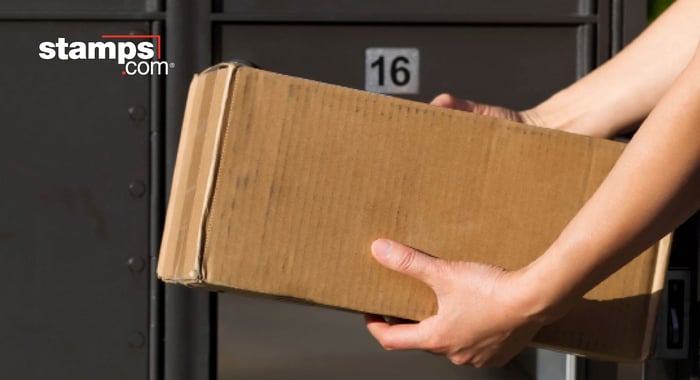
column 281, row 184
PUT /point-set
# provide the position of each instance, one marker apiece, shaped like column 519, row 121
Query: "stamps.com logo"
column 137, row 53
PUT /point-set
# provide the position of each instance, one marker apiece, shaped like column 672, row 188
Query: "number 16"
column 400, row 75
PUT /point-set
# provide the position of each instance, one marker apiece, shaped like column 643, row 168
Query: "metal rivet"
column 137, row 113
column 136, row 264
column 137, row 189
column 136, row 340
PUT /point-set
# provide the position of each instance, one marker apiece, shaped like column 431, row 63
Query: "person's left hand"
column 483, row 317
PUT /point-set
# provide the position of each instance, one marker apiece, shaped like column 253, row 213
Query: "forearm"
column 622, row 92
column 653, row 188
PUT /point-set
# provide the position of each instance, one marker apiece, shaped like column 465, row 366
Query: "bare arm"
column 486, row 315
column 653, row 188
column 617, row 96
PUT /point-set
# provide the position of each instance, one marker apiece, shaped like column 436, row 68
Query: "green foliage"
column 656, row 7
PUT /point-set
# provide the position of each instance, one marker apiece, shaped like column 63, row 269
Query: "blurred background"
column 87, row 153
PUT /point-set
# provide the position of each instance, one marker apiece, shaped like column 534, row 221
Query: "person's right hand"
column 449, row 101
column 485, row 316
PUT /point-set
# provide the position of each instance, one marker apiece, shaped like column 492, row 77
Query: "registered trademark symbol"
column 172, row 64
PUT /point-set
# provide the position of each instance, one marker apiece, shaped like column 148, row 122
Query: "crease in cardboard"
column 176, row 258
column 210, row 192
column 200, row 154
column 179, row 171
column 172, row 256
column 206, row 159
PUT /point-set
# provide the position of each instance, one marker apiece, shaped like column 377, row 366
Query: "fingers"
column 443, row 100
column 408, row 261
column 397, row 337
column 449, row 101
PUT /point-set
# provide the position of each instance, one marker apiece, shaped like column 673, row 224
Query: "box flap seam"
column 210, row 194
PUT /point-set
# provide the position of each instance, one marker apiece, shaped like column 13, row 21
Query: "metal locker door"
column 264, row 339
column 74, row 162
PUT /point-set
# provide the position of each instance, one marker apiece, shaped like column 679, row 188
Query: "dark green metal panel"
column 74, row 163
column 406, row 7
column 515, row 65
column 509, row 65
column 73, row 6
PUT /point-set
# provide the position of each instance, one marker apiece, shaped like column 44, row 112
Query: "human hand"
column 449, row 101
column 483, row 316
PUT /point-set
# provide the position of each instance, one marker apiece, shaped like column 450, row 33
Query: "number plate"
column 392, row 70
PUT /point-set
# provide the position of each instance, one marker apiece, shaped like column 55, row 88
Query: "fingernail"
column 381, row 248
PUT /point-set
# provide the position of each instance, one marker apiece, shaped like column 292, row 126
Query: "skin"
column 486, row 314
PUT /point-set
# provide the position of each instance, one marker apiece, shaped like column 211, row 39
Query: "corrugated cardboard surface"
column 281, row 184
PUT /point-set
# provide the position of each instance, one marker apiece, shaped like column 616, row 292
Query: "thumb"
column 407, row 260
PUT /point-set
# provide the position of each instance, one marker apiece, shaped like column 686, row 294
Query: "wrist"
column 532, row 117
column 554, row 113
column 568, row 111
column 541, row 300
